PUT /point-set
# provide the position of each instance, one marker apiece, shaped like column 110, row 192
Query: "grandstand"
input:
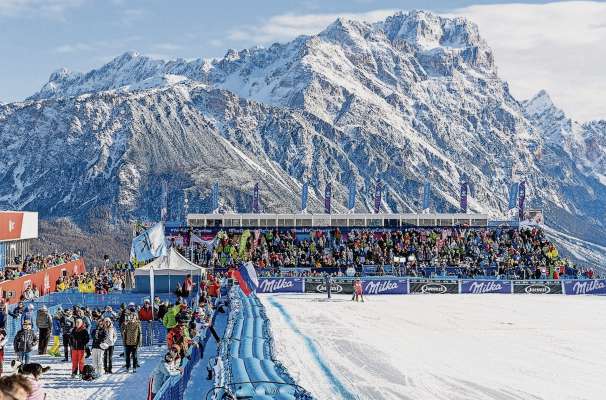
column 226, row 221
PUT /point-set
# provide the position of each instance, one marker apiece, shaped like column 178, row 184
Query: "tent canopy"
column 171, row 264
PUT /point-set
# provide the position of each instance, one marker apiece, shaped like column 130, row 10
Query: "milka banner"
column 384, row 286
column 281, row 285
column 485, row 286
column 596, row 286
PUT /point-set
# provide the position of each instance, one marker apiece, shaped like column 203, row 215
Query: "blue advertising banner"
column 485, row 286
column 351, row 201
column 464, row 188
column 513, row 195
column 255, row 199
column 281, row 285
column 327, row 198
column 384, row 286
column 521, row 199
column 378, row 193
column 304, row 196
column 594, row 286
column 426, row 194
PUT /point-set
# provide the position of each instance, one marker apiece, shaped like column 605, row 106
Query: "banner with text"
column 384, row 286
column 280, row 285
column 433, row 286
column 485, row 286
column 537, row 287
column 586, row 286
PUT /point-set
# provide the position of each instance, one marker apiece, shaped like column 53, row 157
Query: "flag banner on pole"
column 513, row 195
column 351, row 200
column 464, row 188
column 215, row 197
column 304, row 195
column 327, row 198
column 247, row 279
column 426, row 194
column 378, row 192
column 152, row 284
column 150, row 244
column 521, row 199
column 255, row 201
column 243, row 241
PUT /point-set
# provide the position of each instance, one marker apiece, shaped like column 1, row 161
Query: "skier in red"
column 358, row 290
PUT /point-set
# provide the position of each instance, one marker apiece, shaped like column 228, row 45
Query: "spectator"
column 44, row 324
column 3, row 340
column 99, row 346
column 163, row 371
column 67, row 325
column 131, row 334
column 15, row 387
column 79, row 338
column 56, row 332
column 146, row 316
column 24, row 342
column 3, row 314
column 110, row 341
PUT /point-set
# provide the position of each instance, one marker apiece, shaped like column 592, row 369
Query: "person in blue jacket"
column 28, row 315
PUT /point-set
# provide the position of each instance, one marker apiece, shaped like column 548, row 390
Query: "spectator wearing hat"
column 146, row 316
column 110, row 341
column 67, row 325
column 44, row 324
column 56, row 332
column 78, row 341
column 131, row 336
column 24, row 342
column 163, row 371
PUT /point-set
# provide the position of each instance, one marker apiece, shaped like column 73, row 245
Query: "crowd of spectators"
column 31, row 264
column 100, row 280
column 465, row 252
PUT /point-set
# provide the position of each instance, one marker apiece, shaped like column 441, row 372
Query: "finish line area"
column 441, row 347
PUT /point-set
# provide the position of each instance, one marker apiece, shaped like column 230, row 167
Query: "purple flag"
column 464, row 187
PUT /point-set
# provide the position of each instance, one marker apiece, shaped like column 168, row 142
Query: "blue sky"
column 556, row 46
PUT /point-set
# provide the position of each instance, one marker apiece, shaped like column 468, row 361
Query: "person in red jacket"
column 556, row 274
column 146, row 316
column 188, row 284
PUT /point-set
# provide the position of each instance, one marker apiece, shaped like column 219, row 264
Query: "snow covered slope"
column 451, row 347
column 410, row 97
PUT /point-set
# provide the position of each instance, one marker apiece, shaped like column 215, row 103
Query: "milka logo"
column 485, row 287
column 271, row 285
column 587, row 287
column 380, row 287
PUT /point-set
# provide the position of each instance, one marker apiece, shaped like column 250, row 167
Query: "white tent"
column 171, row 264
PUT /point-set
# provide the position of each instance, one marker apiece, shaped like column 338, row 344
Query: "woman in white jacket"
column 163, row 371
column 108, row 345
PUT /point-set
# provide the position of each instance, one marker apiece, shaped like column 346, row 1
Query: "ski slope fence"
column 399, row 285
column 251, row 370
column 174, row 387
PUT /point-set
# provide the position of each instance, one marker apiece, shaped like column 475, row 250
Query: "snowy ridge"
column 410, row 97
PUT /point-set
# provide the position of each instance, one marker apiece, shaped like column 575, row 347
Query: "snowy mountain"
column 412, row 96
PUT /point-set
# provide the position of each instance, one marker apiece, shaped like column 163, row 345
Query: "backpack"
column 88, row 373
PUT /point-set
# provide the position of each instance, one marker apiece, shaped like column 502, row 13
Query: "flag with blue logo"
column 464, row 188
column 327, row 198
column 521, row 199
column 513, row 195
column 255, row 200
column 150, row 244
column 351, row 201
column 426, row 195
column 378, row 193
column 304, row 196
column 215, row 197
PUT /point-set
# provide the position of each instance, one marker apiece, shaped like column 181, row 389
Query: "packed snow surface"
column 442, row 346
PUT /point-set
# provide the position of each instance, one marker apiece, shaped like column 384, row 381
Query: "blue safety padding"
column 238, row 370
column 269, row 368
